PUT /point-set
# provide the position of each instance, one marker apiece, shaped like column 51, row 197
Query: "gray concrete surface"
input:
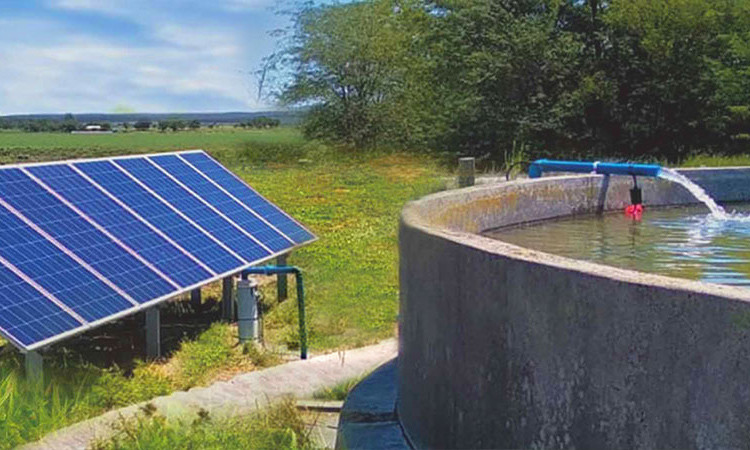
column 368, row 419
column 239, row 396
column 321, row 417
column 505, row 347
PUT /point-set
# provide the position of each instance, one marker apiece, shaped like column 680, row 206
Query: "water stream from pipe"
column 716, row 211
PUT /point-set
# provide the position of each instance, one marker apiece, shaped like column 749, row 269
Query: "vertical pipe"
column 153, row 333
column 281, row 280
column 301, row 308
column 227, row 299
column 247, row 311
column 34, row 365
column 466, row 168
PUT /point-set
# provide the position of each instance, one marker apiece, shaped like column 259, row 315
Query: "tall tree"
column 348, row 66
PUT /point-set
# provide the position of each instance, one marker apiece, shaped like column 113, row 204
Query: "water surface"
column 680, row 242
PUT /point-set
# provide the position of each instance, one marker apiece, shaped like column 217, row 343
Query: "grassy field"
column 716, row 161
column 350, row 201
column 16, row 146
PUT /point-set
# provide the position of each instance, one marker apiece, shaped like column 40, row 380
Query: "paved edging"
column 240, row 395
column 368, row 419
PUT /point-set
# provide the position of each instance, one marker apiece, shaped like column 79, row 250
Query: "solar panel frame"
column 312, row 237
column 88, row 325
column 74, row 231
column 121, row 184
column 247, row 218
column 193, row 209
column 123, row 224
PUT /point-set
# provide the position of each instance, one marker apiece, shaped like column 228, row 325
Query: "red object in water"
column 635, row 211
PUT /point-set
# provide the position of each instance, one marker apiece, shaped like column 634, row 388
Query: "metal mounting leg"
column 227, row 299
column 281, row 280
column 195, row 298
column 34, row 365
column 153, row 333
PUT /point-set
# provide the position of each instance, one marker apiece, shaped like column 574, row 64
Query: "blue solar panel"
column 84, row 242
column 214, row 195
column 161, row 216
column 122, row 224
column 194, row 208
column 57, row 272
column 81, row 238
column 248, row 196
column 26, row 315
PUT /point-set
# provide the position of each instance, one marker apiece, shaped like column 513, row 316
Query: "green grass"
column 339, row 391
column 703, row 160
column 351, row 272
column 350, row 201
column 279, row 427
column 76, row 390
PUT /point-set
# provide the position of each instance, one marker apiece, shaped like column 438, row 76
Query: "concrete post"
column 281, row 280
column 195, row 298
column 466, row 168
column 247, row 310
column 34, row 365
column 227, row 299
column 153, row 333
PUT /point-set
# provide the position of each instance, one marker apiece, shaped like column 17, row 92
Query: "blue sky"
column 77, row 56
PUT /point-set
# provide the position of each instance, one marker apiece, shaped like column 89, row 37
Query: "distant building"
column 93, row 129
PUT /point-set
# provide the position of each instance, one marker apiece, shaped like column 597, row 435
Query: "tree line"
column 69, row 123
column 630, row 79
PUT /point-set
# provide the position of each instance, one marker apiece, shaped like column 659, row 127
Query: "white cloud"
column 214, row 42
column 240, row 5
column 175, row 65
column 142, row 7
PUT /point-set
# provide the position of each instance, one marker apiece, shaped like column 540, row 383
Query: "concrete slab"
column 368, row 419
column 323, row 427
column 331, row 406
column 376, row 435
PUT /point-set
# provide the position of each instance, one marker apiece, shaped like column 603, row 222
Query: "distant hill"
column 286, row 117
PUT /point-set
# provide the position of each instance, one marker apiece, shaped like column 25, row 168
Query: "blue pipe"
column 540, row 166
column 276, row 270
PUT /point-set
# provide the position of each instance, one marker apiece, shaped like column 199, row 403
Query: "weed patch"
column 278, row 427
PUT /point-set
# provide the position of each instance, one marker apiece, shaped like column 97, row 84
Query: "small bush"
column 259, row 356
column 339, row 391
column 200, row 358
column 114, row 390
column 278, row 427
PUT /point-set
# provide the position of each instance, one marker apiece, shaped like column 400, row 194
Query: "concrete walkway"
column 239, row 396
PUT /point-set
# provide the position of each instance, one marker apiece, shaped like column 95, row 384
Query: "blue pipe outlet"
column 276, row 270
column 538, row 167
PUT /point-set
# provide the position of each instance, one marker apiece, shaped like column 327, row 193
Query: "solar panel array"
column 89, row 241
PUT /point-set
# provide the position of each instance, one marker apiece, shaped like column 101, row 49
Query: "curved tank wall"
column 505, row 347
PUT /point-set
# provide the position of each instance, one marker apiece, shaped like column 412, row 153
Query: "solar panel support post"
column 34, row 365
column 195, row 298
column 227, row 299
column 281, row 280
column 153, row 333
